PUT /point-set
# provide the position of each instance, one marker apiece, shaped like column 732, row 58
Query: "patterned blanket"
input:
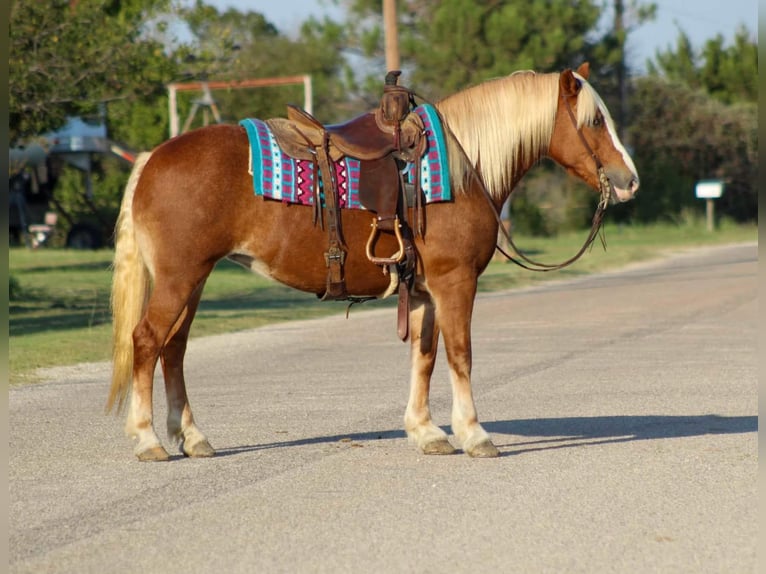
column 280, row 177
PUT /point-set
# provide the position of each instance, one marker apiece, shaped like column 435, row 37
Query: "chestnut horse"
column 190, row 203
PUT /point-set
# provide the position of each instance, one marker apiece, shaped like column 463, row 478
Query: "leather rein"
column 605, row 190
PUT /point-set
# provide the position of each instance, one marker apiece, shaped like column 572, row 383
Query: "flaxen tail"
column 130, row 290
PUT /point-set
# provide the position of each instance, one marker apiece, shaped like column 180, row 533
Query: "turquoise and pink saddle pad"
column 280, row 177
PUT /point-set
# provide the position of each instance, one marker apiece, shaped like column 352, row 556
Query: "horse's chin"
column 620, row 195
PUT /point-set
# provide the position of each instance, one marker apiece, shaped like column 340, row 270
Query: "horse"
column 190, row 203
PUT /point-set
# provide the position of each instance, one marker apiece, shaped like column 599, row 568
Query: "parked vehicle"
column 34, row 209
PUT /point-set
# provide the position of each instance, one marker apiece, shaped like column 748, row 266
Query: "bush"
column 681, row 135
column 14, row 288
column 548, row 201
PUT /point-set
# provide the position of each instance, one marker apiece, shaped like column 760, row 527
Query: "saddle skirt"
column 282, row 177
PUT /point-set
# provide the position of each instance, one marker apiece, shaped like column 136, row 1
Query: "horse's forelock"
column 498, row 120
column 589, row 103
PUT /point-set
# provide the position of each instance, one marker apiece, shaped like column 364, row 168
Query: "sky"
column 701, row 20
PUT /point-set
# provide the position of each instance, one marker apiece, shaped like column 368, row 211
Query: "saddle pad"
column 283, row 178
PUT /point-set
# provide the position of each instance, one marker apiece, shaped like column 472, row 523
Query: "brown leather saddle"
column 382, row 140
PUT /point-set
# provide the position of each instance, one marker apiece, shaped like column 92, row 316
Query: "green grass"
column 59, row 308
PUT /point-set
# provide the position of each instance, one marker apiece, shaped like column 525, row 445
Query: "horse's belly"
column 305, row 270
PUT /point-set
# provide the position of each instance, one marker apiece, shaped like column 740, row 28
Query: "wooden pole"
column 391, row 35
column 622, row 79
column 709, row 211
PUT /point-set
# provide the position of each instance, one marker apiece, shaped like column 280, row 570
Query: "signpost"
column 709, row 190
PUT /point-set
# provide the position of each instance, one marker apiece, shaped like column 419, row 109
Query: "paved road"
column 624, row 406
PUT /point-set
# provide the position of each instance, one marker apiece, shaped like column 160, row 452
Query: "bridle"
column 605, row 190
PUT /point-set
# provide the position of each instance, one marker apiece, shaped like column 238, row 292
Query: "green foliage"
column 140, row 124
column 682, row 135
column 96, row 202
column 236, row 46
column 67, row 58
column 81, row 58
column 728, row 73
column 450, row 44
column 695, row 117
column 14, row 288
column 547, row 202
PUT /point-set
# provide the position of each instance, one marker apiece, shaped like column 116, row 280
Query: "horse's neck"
column 500, row 162
column 519, row 168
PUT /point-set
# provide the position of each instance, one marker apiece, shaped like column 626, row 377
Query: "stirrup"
column 396, row 257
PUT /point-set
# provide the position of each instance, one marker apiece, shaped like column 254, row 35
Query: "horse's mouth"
column 621, row 194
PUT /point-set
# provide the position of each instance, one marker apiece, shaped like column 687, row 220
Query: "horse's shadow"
column 554, row 433
column 557, row 433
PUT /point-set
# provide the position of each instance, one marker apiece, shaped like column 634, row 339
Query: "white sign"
column 709, row 189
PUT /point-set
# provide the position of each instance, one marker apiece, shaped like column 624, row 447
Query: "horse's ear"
column 569, row 86
column 584, row 70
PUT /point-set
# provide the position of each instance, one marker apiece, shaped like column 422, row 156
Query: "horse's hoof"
column 154, row 454
column 440, row 446
column 201, row 449
column 485, row 449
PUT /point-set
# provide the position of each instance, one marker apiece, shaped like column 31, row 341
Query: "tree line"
column 691, row 116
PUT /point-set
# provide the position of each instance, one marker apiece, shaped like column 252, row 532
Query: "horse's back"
column 205, row 154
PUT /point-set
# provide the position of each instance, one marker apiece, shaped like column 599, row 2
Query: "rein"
column 605, row 190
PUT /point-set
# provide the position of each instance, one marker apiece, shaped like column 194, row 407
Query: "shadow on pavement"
column 556, row 433
column 583, row 431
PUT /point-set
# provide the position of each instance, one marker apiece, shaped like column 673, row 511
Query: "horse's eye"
column 597, row 121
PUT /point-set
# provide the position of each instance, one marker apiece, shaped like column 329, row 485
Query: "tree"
column 114, row 59
column 447, row 45
column 233, row 45
column 696, row 117
column 612, row 70
column 682, row 135
column 450, row 44
column 68, row 57
column 728, row 73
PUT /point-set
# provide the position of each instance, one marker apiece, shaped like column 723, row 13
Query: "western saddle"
column 381, row 140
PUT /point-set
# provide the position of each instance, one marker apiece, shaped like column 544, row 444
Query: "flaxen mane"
column 495, row 122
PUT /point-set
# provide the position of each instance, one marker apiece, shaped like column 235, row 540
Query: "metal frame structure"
column 207, row 100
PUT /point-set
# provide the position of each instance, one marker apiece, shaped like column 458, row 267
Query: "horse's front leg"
column 424, row 336
column 454, row 297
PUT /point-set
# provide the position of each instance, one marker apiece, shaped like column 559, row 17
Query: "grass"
column 59, row 307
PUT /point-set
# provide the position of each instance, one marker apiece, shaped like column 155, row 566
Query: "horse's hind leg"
column 167, row 302
column 424, row 333
column 181, row 426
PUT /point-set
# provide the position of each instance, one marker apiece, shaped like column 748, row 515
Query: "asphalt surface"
column 624, row 406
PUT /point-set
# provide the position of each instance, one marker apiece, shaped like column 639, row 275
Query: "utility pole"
column 391, row 35
column 622, row 80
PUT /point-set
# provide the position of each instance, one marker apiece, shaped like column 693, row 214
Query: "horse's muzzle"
column 623, row 195
column 624, row 186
